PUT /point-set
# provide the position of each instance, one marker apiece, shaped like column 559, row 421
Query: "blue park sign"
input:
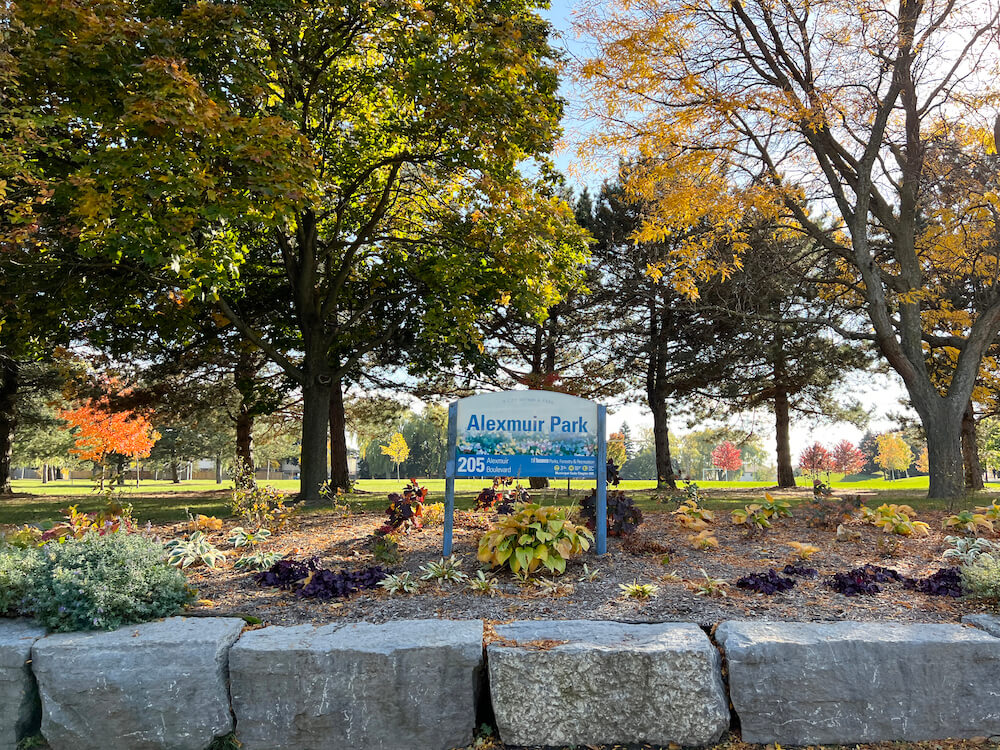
column 527, row 434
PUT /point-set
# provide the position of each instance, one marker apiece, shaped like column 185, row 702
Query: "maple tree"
column 616, row 449
column 847, row 458
column 893, row 453
column 824, row 118
column 922, row 464
column 816, row 460
column 101, row 433
column 397, row 450
column 727, row 457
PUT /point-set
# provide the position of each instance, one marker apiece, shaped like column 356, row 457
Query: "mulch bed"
column 340, row 542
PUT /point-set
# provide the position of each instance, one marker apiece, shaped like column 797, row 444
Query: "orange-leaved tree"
column 825, row 116
column 101, row 432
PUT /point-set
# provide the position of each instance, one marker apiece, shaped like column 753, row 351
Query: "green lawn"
column 164, row 501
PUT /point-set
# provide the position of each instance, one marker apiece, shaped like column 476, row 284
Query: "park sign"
column 524, row 434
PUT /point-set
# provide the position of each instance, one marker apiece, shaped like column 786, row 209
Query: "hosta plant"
column 257, row 561
column 803, row 551
column 775, row 507
column 966, row 551
column 204, row 523
column 636, row 590
column 752, row 517
column 991, row 512
column 703, row 540
column 967, row 522
column 447, row 569
column 531, row 537
column 194, row 551
column 240, row 537
column 896, row 519
column 400, row 583
column 692, row 516
column 623, row 517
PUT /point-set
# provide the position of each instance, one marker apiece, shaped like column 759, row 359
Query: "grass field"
column 164, row 501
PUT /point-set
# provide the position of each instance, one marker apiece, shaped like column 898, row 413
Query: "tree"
column 363, row 158
column 846, row 458
column 922, row 465
column 727, row 456
column 893, row 454
column 397, row 450
column 816, row 460
column 100, row 434
column 616, row 449
column 798, row 110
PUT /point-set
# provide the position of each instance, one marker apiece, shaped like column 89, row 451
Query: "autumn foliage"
column 101, row 432
column 815, row 460
column 847, row 458
column 727, row 456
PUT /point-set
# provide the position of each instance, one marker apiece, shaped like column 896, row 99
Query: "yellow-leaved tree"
column 827, row 117
column 893, row 454
column 397, row 450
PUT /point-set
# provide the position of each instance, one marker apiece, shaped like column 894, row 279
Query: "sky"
column 880, row 394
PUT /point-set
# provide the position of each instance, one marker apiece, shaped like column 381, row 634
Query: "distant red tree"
column 727, row 456
column 815, row 460
column 847, row 459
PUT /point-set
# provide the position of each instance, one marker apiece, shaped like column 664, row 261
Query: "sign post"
column 527, row 434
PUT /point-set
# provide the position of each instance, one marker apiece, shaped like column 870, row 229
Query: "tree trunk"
column 174, row 467
column 315, row 429
column 944, row 456
column 786, row 471
column 9, row 384
column 656, row 392
column 218, row 469
column 538, row 483
column 339, row 474
column 120, row 479
column 45, row 473
column 244, row 375
column 970, row 451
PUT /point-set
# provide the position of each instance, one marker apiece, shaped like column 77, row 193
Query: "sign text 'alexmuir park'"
column 524, row 434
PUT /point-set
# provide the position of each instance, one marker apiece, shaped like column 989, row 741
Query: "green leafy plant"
column 753, row 517
column 104, row 582
column 23, row 537
column 483, row 584
column 257, row 561
column 636, row 590
column 992, row 511
column 447, row 569
column 775, row 507
column 75, row 524
column 968, row 522
column 400, row 583
column 531, row 537
column 589, row 575
column 966, row 551
column 708, row 586
column 895, row 519
column 239, row 537
column 194, row 551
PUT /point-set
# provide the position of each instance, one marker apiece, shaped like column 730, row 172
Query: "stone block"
column 404, row 685
column 20, row 709
column 812, row 683
column 585, row 682
column 156, row 686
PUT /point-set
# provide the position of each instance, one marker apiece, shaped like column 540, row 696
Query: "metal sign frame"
column 601, row 475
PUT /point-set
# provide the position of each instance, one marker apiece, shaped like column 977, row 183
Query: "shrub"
column 405, row 510
column 753, row 517
column 533, row 536
column 104, row 582
column 827, row 512
column 800, row 570
column 943, row 582
column 433, row 514
column 75, row 525
column 981, row 580
column 18, row 566
column 863, row 580
column 259, row 507
column 623, row 517
column 23, row 537
column 384, row 547
column 310, row 581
